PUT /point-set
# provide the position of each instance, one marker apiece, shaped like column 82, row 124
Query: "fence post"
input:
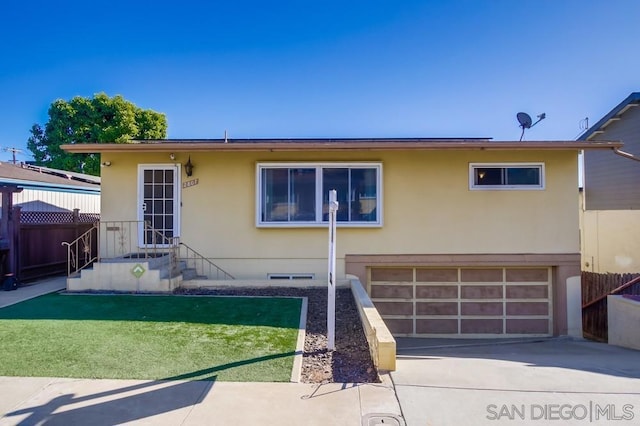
column 14, row 241
column 75, row 219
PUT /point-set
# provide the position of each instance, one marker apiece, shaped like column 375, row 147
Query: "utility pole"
column 13, row 152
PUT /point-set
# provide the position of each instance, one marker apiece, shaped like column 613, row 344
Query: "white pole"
column 331, row 296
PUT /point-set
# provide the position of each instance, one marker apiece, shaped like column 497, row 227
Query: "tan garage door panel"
column 463, row 302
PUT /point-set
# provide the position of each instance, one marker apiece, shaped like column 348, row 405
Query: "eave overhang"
column 279, row 145
column 633, row 100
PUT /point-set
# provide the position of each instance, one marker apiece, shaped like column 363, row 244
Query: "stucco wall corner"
column 574, row 306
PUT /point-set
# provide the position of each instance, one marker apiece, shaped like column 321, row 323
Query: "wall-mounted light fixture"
column 172, row 156
column 106, row 163
column 188, row 167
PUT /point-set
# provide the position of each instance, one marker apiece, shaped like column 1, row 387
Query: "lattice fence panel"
column 57, row 217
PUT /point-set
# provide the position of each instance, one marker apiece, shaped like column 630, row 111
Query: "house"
column 50, row 190
column 41, row 208
column 450, row 237
column 611, row 205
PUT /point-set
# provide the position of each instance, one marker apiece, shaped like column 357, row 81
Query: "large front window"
column 298, row 194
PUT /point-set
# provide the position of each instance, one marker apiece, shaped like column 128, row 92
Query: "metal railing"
column 82, row 251
column 119, row 240
column 203, row 266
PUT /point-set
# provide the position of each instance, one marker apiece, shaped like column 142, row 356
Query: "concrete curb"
column 296, row 371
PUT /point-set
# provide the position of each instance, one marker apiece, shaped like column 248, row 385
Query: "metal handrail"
column 120, row 238
column 83, row 245
column 203, row 265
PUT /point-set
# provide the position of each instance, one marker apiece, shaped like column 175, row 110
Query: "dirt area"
column 350, row 362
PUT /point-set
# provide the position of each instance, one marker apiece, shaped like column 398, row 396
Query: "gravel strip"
column 350, row 362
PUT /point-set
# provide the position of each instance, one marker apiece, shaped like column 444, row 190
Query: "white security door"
column 158, row 202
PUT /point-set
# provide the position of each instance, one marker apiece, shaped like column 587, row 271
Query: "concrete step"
column 191, row 274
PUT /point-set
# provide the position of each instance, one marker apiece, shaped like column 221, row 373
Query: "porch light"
column 188, row 167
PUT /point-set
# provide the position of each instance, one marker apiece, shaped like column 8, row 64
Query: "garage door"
column 463, row 302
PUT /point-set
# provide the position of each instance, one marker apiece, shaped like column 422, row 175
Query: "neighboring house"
column 611, row 205
column 51, row 204
column 51, row 190
column 451, row 237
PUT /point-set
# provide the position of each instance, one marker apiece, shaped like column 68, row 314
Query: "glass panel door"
column 158, row 193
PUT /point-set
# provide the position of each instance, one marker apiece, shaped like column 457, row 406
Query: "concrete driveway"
column 560, row 381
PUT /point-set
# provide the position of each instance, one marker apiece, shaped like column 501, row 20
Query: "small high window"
column 506, row 176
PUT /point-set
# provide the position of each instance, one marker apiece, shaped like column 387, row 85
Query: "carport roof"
column 340, row 144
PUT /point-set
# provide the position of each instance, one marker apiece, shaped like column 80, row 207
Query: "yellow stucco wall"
column 611, row 241
column 427, row 208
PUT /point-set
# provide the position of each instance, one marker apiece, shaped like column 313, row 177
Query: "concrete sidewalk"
column 31, row 401
column 57, row 401
column 31, row 290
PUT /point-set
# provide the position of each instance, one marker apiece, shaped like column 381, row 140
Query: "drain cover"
column 377, row 419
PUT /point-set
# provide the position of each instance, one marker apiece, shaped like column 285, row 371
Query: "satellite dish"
column 525, row 121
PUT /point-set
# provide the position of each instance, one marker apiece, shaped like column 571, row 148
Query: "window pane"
column 303, row 194
column 364, row 195
column 337, row 179
column 168, row 222
column 157, row 222
column 488, row 176
column 523, row 176
column 290, row 194
column 275, row 192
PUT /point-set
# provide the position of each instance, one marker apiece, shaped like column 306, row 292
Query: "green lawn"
column 150, row 337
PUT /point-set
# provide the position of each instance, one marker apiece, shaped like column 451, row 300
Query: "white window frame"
column 474, row 187
column 318, row 223
column 177, row 193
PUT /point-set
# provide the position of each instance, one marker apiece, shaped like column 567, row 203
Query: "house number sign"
column 190, row 183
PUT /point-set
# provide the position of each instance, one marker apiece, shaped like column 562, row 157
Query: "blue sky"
column 324, row 68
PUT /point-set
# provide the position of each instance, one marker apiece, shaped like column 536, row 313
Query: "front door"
column 158, row 203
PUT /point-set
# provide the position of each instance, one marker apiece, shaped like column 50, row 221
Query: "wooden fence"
column 595, row 288
column 39, row 241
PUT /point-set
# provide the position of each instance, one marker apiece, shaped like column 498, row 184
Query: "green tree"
column 100, row 119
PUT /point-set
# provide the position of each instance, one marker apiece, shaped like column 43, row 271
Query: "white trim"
column 474, row 187
column 177, row 188
column 318, row 166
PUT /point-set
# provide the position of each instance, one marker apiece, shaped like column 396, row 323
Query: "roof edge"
column 633, row 98
column 248, row 145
